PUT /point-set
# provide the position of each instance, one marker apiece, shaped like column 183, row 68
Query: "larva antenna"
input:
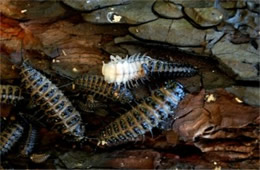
column 151, row 132
column 143, row 138
column 22, row 53
column 23, row 118
column 65, row 85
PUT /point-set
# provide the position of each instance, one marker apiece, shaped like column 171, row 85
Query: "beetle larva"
column 10, row 94
column 136, row 67
column 30, row 141
column 9, row 137
column 97, row 85
column 59, row 110
column 144, row 116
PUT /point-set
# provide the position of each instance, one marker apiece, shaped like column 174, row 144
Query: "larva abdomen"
column 97, row 85
column 144, row 116
column 30, row 141
column 171, row 69
column 10, row 94
column 61, row 114
column 9, row 137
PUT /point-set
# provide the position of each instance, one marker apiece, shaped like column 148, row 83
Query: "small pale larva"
column 145, row 116
column 10, row 94
column 9, row 137
column 136, row 67
column 97, row 85
column 39, row 158
column 61, row 114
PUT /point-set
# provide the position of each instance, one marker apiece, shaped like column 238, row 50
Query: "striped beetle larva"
column 144, row 116
column 10, row 94
column 9, row 137
column 97, row 85
column 129, row 70
column 30, row 141
column 59, row 110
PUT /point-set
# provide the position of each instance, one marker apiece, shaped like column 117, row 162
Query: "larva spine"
column 59, row 110
column 30, row 141
column 10, row 94
column 9, row 137
column 144, row 116
column 97, row 85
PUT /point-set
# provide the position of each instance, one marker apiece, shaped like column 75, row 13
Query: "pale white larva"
column 127, row 70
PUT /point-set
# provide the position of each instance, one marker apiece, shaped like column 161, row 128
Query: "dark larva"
column 9, row 137
column 10, row 94
column 59, row 110
column 129, row 70
column 97, row 85
column 39, row 158
column 143, row 117
column 30, row 141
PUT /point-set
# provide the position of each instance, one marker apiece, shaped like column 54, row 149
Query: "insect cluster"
column 119, row 75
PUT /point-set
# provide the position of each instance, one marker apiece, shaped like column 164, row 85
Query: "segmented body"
column 9, row 137
column 97, row 85
column 59, row 110
column 30, row 141
column 10, row 94
column 144, row 116
column 136, row 67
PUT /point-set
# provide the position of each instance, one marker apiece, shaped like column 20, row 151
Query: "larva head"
column 126, row 96
column 175, row 88
column 108, row 71
column 79, row 132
